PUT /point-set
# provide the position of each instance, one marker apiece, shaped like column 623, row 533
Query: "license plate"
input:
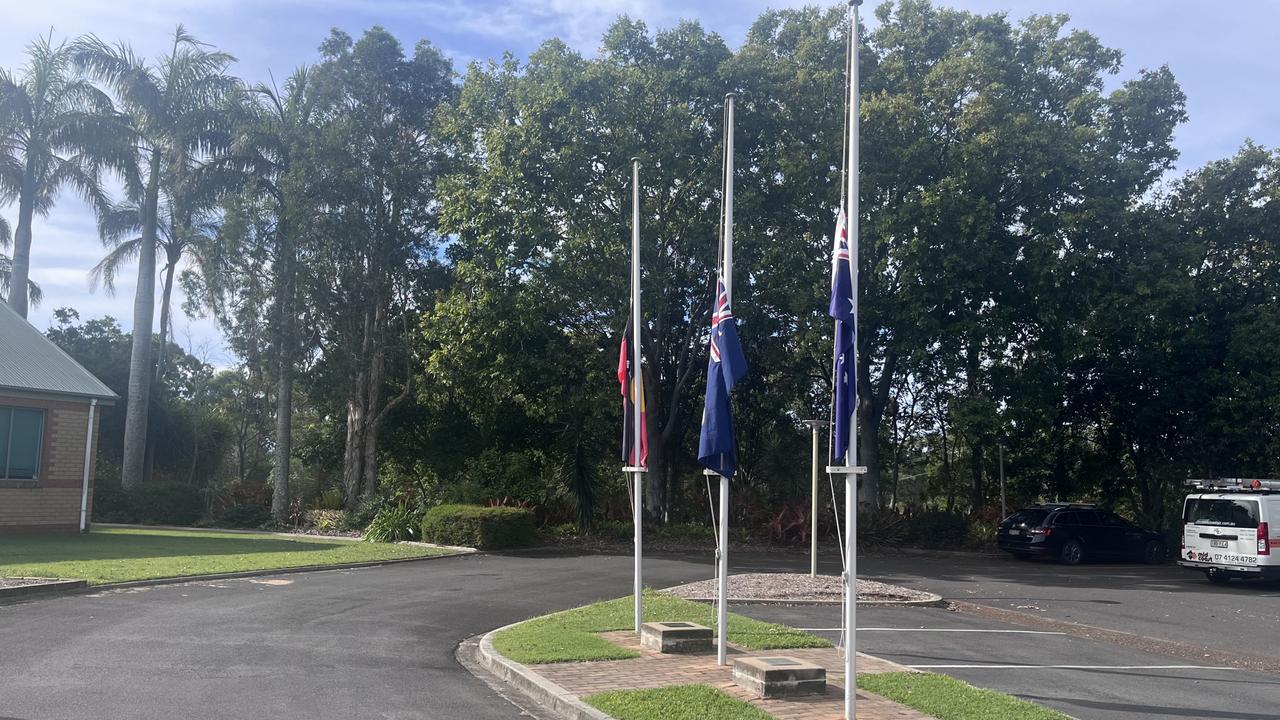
column 1218, row 543
column 1015, row 532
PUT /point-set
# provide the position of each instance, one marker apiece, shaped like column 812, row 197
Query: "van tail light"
column 1040, row 531
column 1184, row 534
column 1264, row 535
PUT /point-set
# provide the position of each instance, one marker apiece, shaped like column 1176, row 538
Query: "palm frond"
column 35, row 294
column 109, row 267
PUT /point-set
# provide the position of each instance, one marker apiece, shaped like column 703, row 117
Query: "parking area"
column 1086, row 679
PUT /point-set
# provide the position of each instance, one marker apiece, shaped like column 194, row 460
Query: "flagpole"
column 637, row 383
column 722, row 610
column 851, row 454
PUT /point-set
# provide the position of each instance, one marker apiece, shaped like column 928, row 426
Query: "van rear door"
column 1221, row 529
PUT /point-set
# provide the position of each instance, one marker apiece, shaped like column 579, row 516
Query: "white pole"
column 722, row 611
column 851, row 479
column 88, row 458
column 637, row 510
column 813, row 507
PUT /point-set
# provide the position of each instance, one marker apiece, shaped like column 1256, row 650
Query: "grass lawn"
column 682, row 702
column 119, row 554
column 946, row 698
column 569, row 636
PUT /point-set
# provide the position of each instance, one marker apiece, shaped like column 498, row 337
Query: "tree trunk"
column 353, row 453
column 20, row 270
column 872, row 400
column 135, row 421
column 157, row 377
column 284, row 378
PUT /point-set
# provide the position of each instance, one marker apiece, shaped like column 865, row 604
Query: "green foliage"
column 149, row 504
column 572, row 635
column 946, row 698
column 484, row 528
column 681, row 702
column 939, row 529
column 245, row 515
column 330, row 499
column 394, row 524
column 325, row 520
column 359, row 517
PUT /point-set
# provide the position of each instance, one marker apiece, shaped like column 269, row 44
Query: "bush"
column 324, row 520
column 111, row 504
column 486, row 528
column 393, row 524
column 330, row 499
column 245, row 515
column 166, row 504
column 359, row 517
column 939, row 529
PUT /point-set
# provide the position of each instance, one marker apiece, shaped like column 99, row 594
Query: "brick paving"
column 655, row 670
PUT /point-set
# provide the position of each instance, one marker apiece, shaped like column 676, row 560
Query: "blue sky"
column 1223, row 54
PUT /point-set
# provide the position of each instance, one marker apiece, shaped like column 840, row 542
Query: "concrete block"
column 675, row 637
column 773, row 677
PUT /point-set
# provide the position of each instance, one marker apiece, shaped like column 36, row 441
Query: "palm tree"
column 261, row 158
column 6, row 269
column 176, row 109
column 56, row 130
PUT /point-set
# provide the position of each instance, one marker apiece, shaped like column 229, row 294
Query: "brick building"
column 48, row 432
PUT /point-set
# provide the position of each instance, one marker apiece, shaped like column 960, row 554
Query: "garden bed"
column 799, row 587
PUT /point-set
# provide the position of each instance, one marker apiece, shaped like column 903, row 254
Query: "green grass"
column 569, row 636
column 946, row 698
column 682, row 702
column 120, row 554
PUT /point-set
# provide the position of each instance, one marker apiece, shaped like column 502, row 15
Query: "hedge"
column 485, row 528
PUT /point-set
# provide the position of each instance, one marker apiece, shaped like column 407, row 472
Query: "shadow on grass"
column 144, row 544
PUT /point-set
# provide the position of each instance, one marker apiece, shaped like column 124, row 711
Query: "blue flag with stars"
column 716, row 448
column 846, row 374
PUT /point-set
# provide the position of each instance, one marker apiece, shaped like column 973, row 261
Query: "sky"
column 1223, row 54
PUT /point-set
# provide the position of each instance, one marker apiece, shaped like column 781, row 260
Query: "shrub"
column 393, row 524
column 882, row 527
column 324, row 520
column 111, row 504
column 359, row 517
column 166, row 504
column 330, row 499
column 486, row 528
column 939, row 529
column 244, row 515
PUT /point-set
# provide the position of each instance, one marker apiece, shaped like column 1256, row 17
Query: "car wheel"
column 1072, row 553
column 1217, row 577
column 1153, row 552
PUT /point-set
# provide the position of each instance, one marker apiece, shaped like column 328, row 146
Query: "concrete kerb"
column 562, row 703
column 46, row 585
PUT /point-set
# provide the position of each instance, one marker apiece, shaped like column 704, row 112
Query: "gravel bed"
column 796, row 586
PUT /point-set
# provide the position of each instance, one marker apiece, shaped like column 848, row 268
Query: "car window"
column 1066, row 518
column 1086, row 517
column 1030, row 518
column 1227, row 512
column 1112, row 520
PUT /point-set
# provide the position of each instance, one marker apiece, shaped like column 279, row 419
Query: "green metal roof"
column 31, row 363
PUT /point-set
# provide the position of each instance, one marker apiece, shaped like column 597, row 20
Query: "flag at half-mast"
column 717, row 450
column 632, row 384
column 846, row 374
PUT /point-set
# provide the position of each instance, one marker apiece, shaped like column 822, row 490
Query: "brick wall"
column 52, row 502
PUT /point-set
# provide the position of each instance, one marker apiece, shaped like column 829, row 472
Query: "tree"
column 175, row 106
column 56, row 131
column 374, row 224
column 34, row 293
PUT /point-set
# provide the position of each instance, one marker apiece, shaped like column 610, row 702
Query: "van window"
column 1224, row 512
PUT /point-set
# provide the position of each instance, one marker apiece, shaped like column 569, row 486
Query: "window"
column 1224, row 512
column 21, row 432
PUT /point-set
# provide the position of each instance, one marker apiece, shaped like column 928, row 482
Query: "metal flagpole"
column 851, row 460
column 813, row 498
column 637, row 384
column 722, row 612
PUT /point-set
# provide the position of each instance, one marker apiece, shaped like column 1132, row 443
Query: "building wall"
column 52, row 502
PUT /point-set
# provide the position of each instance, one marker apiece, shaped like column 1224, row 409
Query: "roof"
column 32, row 363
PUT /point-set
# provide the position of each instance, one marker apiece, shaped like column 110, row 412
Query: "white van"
column 1231, row 529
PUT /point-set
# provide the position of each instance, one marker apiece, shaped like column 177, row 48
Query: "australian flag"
column 716, row 448
column 846, row 374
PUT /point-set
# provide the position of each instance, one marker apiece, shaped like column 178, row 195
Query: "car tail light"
column 1264, row 545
